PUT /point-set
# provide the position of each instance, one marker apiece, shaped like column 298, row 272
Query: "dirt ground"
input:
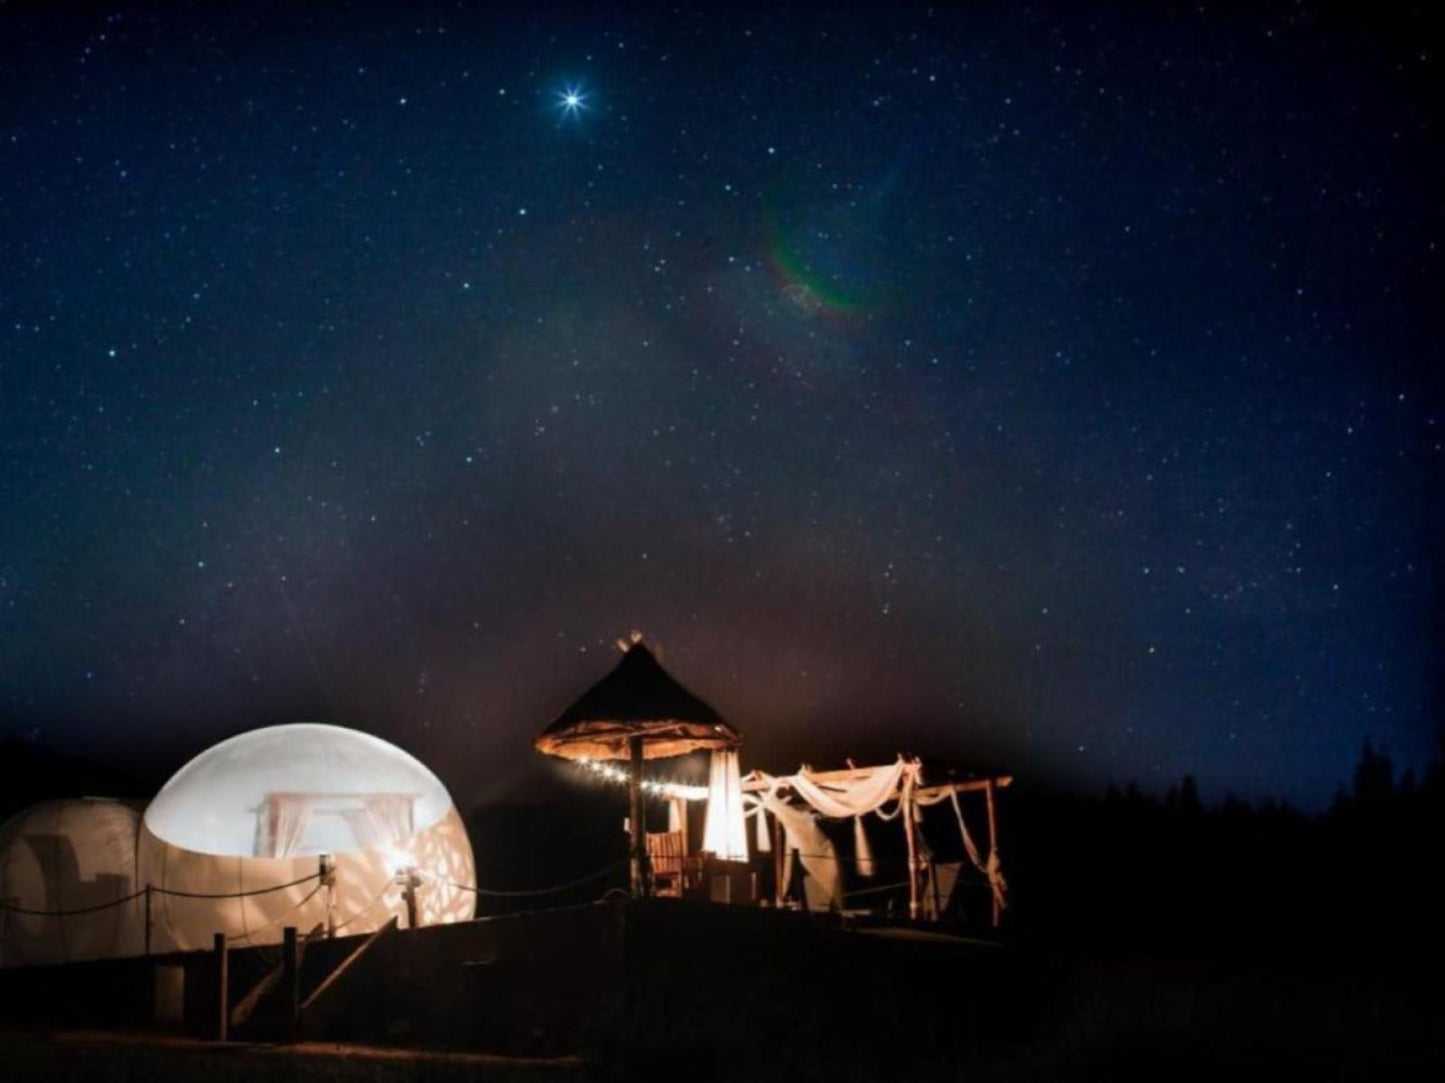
column 102, row 1058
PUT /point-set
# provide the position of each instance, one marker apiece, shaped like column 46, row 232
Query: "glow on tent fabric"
column 76, row 860
column 260, row 809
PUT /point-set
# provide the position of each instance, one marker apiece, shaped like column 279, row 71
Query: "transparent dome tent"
column 260, row 810
column 68, row 879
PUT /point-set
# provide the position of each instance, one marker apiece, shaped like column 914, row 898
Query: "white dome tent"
column 68, row 882
column 234, row 841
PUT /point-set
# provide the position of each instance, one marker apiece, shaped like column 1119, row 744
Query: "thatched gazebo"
column 637, row 712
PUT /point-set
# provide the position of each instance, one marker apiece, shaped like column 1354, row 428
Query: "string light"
column 649, row 786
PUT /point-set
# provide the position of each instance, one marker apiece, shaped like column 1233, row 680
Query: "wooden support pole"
column 910, row 833
column 933, row 879
column 148, row 920
column 290, row 980
column 223, row 985
column 802, row 878
column 637, row 820
column 409, row 884
column 992, row 843
column 328, row 879
column 780, row 859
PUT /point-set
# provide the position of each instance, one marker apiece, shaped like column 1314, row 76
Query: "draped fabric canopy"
column 867, row 790
column 855, row 794
column 991, row 866
column 854, row 797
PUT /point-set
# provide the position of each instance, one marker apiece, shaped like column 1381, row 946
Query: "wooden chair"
column 665, row 851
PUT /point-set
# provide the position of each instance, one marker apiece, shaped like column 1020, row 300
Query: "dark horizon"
column 1033, row 390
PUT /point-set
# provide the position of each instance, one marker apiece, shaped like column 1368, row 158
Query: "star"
column 571, row 100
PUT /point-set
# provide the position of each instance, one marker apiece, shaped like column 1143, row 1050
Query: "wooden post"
column 780, row 859
column 638, row 821
column 933, row 878
column 328, row 878
column 148, row 919
column 223, row 985
column 290, row 979
column 905, row 809
column 409, row 884
column 992, row 844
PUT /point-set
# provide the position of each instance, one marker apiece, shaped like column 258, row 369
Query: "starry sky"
column 1048, row 387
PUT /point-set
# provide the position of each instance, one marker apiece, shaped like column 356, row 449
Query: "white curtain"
column 725, row 834
column 814, row 849
column 675, row 815
column 939, row 879
column 288, row 817
column 991, row 866
column 382, row 819
column 393, row 811
column 854, row 797
column 861, row 850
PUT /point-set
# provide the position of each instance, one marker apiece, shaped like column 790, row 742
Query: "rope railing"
column 231, row 894
column 875, row 890
column 551, row 890
column 151, row 889
column 375, row 899
column 12, row 908
column 236, row 938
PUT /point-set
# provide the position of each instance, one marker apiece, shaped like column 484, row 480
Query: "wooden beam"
column 345, row 964
column 972, row 785
column 637, row 817
column 910, row 829
column 780, row 859
column 753, row 784
column 247, row 1004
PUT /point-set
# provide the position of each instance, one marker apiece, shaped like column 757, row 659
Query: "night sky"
column 1036, row 387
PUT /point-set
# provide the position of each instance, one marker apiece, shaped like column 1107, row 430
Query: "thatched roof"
column 638, row 698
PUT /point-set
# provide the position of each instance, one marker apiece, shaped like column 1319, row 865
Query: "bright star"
column 571, row 100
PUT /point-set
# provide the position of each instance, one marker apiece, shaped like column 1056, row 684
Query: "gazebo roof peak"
column 638, row 698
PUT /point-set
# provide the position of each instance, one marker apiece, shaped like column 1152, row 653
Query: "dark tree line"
column 1354, row 886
